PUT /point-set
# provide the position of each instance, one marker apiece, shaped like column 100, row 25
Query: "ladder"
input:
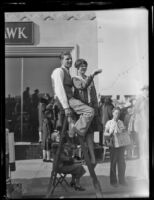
column 52, row 181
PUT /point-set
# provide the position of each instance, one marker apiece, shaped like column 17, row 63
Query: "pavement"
column 34, row 176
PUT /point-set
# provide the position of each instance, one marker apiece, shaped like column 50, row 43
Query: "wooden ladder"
column 52, row 181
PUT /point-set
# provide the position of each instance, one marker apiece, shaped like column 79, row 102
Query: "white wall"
column 64, row 33
column 123, row 50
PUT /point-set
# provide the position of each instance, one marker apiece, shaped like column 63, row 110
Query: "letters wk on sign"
column 19, row 33
column 15, row 32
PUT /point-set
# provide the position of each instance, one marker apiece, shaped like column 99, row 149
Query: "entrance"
column 27, row 70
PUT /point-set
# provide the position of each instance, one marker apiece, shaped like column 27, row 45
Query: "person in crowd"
column 141, row 126
column 106, row 111
column 123, row 113
column 35, row 116
column 41, row 110
column 63, row 88
column 26, row 100
column 101, row 103
column 68, row 165
column 113, row 128
column 132, row 101
column 9, row 107
column 127, row 121
column 47, row 129
column 35, row 98
column 56, row 113
column 17, row 109
column 84, row 90
column 134, row 148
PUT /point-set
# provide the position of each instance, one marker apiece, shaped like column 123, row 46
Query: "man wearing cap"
column 41, row 109
column 63, row 86
column 35, row 116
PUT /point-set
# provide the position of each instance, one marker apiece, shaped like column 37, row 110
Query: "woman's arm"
column 82, row 84
column 90, row 78
column 94, row 101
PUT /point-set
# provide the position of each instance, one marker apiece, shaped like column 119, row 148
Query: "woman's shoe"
column 48, row 160
column 44, row 160
column 79, row 188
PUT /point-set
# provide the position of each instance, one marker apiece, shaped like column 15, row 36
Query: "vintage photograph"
column 77, row 104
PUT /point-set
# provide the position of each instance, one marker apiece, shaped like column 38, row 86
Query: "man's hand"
column 97, row 72
column 68, row 112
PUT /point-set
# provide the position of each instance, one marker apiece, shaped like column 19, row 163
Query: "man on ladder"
column 62, row 84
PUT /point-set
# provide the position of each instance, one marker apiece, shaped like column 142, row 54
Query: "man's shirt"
column 57, row 78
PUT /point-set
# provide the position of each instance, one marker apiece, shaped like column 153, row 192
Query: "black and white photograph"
column 77, row 103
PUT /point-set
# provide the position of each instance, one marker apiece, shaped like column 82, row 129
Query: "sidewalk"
column 34, row 176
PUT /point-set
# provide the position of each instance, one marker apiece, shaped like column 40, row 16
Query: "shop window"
column 21, row 73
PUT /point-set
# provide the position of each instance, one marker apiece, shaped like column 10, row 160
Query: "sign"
column 21, row 33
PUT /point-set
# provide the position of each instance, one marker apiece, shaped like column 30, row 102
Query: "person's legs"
column 48, row 154
column 86, row 114
column 44, row 147
column 101, row 138
column 113, row 162
column 44, row 154
column 78, row 173
column 121, row 165
column 73, row 181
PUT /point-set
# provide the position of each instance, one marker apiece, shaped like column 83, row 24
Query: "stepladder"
column 52, row 181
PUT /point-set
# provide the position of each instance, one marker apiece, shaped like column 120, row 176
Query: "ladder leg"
column 96, row 183
column 55, row 163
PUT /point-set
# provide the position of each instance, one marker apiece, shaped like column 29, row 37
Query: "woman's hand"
column 97, row 72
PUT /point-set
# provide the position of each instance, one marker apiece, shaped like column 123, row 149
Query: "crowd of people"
column 120, row 126
column 109, row 117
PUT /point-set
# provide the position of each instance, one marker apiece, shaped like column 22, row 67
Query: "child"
column 47, row 129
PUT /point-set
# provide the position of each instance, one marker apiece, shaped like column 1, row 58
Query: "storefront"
column 34, row 42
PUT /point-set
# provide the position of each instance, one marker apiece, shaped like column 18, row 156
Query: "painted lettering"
column 21, row 33
column 16, row 32
column 10, row 32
